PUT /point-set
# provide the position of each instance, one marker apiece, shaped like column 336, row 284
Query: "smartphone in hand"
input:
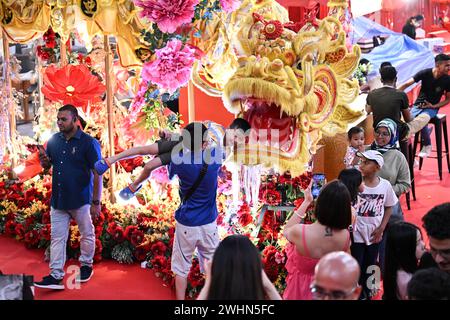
column 319, row 181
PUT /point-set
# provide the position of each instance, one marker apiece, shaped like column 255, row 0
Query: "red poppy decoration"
column 72, row 84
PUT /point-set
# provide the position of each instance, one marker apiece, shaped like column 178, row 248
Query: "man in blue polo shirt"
column 76, row 193
column 197, row 168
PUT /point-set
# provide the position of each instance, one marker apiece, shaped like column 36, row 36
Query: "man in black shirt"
column 387, row 101
column 437, row 225
column 410, row 26
column 435, row 82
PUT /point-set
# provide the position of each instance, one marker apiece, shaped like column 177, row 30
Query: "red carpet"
column 111, row 280
column 124, row 282
column 430, row 191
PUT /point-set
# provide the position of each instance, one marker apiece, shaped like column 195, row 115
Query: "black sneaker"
column 86, row 273
column 48, row 282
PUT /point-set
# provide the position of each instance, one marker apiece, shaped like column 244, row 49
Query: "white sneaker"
column 425, row 152
column 416, row 163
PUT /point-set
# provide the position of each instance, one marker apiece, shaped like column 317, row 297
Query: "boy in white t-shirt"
column 373, row 212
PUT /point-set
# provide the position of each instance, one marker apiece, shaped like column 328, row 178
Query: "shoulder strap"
column 196, row 183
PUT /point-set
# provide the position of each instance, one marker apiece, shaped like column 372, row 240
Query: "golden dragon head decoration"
column 290, row 81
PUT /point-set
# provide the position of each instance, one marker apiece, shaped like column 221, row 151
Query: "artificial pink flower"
column 160, row 175
column 167, row 14
column 172, row 68
column 230, row 5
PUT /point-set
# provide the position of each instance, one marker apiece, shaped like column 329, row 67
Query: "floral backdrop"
column 144, row 232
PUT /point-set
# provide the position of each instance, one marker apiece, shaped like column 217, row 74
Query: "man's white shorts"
column 205, row 238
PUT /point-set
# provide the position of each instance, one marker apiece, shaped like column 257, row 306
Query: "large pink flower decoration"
column 167, row 14
column 172, row 68
column 230, row 5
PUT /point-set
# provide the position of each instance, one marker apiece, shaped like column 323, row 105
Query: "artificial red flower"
column 10, row 216
column 49, row 35
column 141, row 252
column 31, row 239
column 118, row 234
column 46, row 217
column 171, row 233
column 72, row 84
column 195, row 277
column 20, row 231
column 302, row 182
column 269, row 222
column 285, row 178
column 98, row 231
column 98, row 246
column 129, row 232
column 269, row 260
column 220, row 219
column 130, row 164
column 10, row 228
column 269, row 251
column 99, row 219
column 29, row 221
column 111, row 227
column 159, row 248
column 45, row 232
column 42, row 53
column 271, row 197
column 245, row 219
column 143, row 221
column 159, row 262
column 51, row 43
column 31, row 195
column 137, row 238
column 244, row 215
column 244, row 209
column 271, row 269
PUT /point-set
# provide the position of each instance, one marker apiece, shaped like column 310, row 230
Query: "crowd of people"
column 394, row 245
column 358, row 240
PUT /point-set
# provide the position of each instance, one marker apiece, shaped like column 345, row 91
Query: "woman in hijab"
column 395, row 168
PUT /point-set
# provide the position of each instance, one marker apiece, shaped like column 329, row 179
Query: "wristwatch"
column 96, row 202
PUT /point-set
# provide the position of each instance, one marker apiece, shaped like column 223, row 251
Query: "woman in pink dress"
column 309, row 243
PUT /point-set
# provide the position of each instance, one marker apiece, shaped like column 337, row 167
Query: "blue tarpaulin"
column 405, row 54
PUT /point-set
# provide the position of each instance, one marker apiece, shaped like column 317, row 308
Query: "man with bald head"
column 336, row 277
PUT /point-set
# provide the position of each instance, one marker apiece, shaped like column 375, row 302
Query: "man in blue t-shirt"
column 197, row 167
column 76, row 193
column 434, row 83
